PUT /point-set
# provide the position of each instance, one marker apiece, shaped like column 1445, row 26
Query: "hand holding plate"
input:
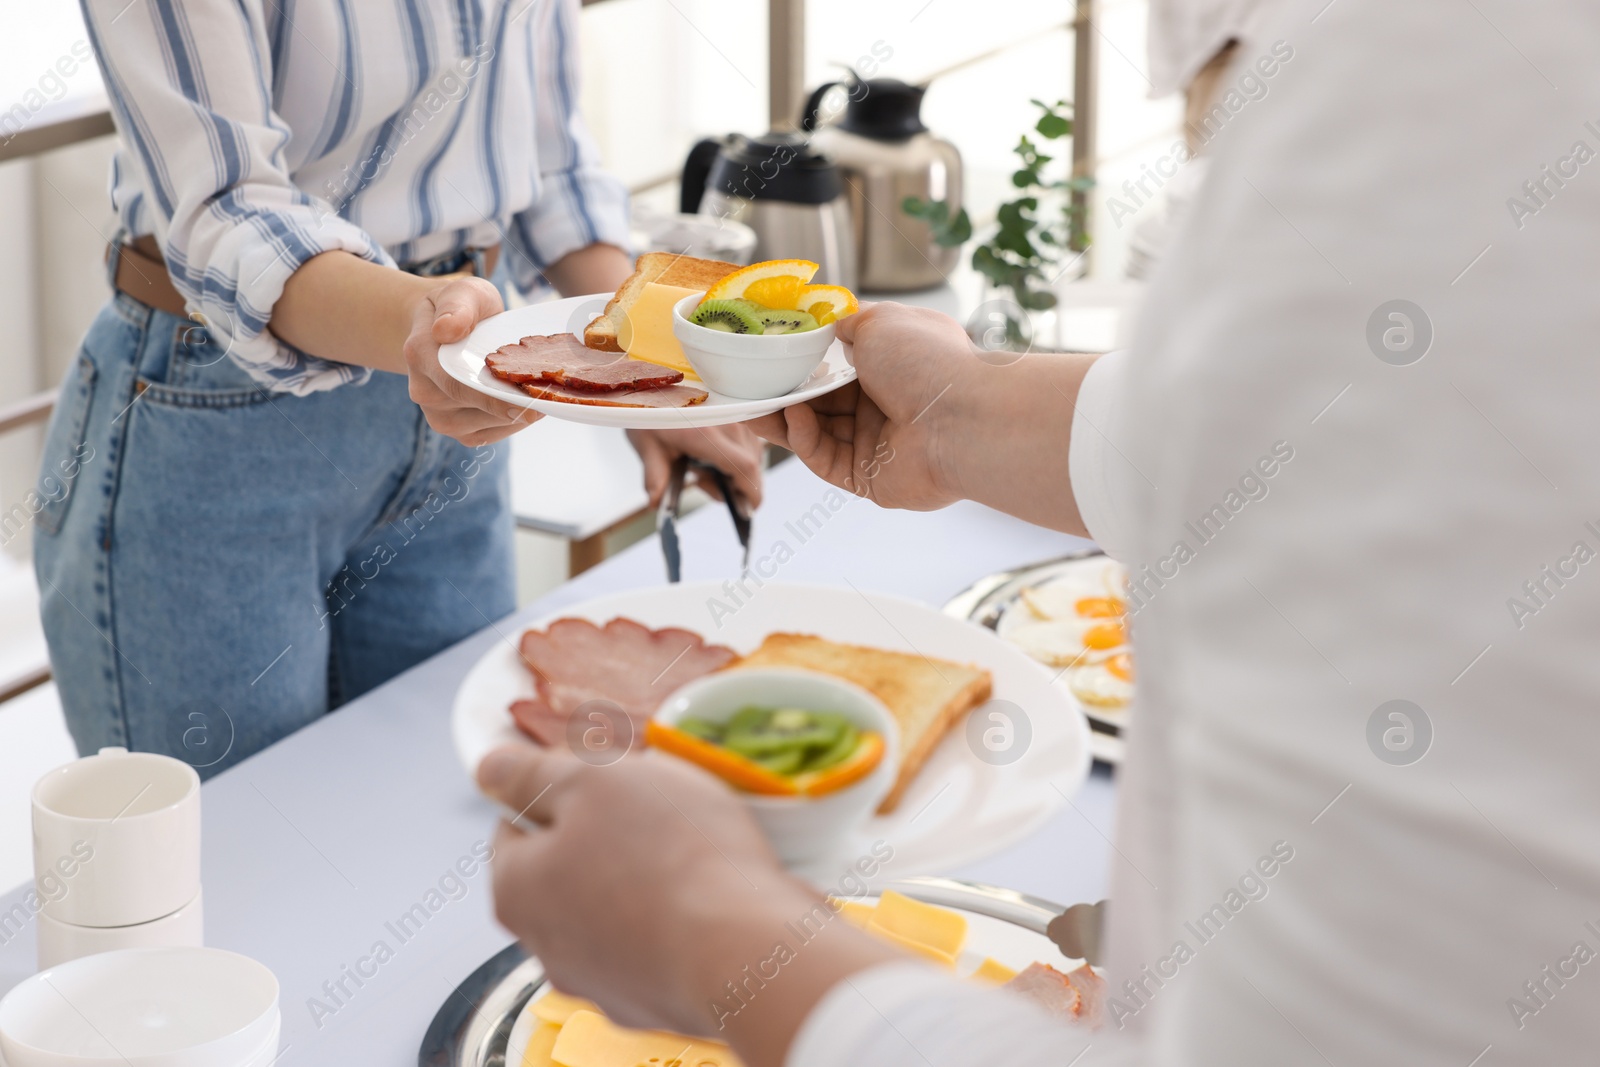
column 646, row 886
column 443, row 315
column 884, row 436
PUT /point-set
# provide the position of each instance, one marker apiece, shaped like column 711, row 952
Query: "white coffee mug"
column 116, row 839
column 60, row 942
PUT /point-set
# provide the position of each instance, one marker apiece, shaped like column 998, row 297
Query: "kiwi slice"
column 704, row 729
column 746, row 719
column 758, row 734
column 729, row 316
column 777, row 320
column 841, row 750
column 786, row 762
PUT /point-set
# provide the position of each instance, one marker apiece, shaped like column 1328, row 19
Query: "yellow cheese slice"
column 940, row 931
column 540, row 1044
column 855, row 912
column 646, row 330
column 993, row 972
column 556, row 1007
column 916, row 948
column 591, row 1040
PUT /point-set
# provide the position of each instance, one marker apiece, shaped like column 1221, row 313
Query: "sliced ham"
column 625, row 664
column 539, row 721
column 561, row 359
column 1076, row 996
column 669, row 396
column 1091, row 994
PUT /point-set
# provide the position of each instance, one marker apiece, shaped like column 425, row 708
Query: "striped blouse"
column 257, row 134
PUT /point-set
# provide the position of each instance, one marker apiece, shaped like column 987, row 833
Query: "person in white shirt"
column 1365, row 725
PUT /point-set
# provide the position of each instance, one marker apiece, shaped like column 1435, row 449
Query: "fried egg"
column 1094, row 590
column 1078, row 621
column 1063, row 642
column 1107, row 684
column 1057, row 642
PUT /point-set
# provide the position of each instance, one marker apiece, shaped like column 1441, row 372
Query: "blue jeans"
column 219, row 566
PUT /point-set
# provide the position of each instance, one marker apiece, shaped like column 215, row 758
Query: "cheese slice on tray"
column 994, row 972
column 931, row 931
column 646, row 330
column 540, row 1044
column 592, row 1040
column 557, row 1007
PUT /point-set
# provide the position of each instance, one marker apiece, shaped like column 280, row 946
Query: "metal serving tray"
column 987, row 599
column 474, row 1025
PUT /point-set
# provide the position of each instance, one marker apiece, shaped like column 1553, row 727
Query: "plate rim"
column 697, row 415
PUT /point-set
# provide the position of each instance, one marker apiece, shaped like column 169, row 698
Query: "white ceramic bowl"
column 267, row 1055
column 116, row 838
column 143, row 1007
column 800, row 828
column 748, row 366
column 61, row 942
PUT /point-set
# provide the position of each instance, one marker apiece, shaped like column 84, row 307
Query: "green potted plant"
column 1034, row 233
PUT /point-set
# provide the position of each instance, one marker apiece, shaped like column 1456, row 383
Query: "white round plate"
column 958, row 810
column 464, row 361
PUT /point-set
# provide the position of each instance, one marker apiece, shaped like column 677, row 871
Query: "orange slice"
column 826, row 303
column 862, row 762
column 1121, row 666
column 775, row 283
column 736, row 770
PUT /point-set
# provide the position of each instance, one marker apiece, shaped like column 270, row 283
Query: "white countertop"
column 314, row 845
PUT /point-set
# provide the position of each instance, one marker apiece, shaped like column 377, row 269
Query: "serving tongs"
column 667, row 513
column 1078, row 932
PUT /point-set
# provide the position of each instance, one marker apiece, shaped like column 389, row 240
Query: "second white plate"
column 464, row 361
column 992, row 782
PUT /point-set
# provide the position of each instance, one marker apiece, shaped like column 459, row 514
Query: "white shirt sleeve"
column 909, row 1015
column 1184, row 34
column 1092, row 454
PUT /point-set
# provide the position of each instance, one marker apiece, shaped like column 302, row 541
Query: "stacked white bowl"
column 144, row 1007
column 116, row 855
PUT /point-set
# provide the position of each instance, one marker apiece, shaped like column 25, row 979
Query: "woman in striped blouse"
column 257, row 527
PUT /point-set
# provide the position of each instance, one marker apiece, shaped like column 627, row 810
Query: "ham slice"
column 1091, row 994
column 669, row 396
column 561, row 359
column 539, row 721
column 1077, row 996
column 622, row 664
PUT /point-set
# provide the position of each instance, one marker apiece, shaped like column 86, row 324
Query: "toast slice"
column 668, row 268
column 926, row 696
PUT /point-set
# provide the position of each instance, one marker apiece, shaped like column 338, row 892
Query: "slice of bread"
column 665, row 267
column 926, row 696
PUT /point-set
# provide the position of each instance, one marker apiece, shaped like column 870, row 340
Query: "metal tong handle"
column 1079, row 931
column 671, row 503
